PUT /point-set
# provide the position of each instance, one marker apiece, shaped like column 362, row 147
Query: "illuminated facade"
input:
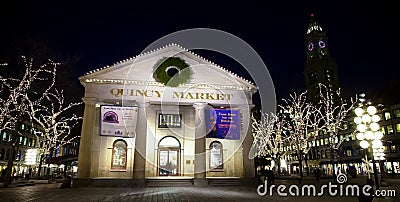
column 141, row 123
column 26, row 147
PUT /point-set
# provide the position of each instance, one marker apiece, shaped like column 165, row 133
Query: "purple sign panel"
column 223, row 124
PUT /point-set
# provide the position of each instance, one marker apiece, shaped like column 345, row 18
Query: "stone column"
column 139, row 166
column 200, row 145
column 248, row 164
column 85, row 146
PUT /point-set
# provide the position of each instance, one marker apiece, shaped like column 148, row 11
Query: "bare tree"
column 14, row 105
column 50, row 112
column 269, row 137
column 302, row 124
column 263, row 131
column 334, row 111
column 34, row 97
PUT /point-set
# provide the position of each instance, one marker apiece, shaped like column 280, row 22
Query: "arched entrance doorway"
column 169, row 156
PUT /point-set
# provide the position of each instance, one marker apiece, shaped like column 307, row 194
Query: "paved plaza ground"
column 52, row 192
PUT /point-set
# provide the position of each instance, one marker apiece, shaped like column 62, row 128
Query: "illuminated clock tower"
column 320, row 67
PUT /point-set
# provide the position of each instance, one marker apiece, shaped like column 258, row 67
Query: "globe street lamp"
column 380, row 156
column 369, row 135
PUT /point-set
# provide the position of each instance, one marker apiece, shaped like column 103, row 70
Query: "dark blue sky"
column 362, row 36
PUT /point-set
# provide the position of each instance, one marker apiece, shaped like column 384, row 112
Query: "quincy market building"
column 139, row 123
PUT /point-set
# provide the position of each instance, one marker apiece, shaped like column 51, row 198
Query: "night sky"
column 363, row 37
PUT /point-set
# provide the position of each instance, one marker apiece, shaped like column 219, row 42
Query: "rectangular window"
column 383, row 130
column 25, row 141
column 348, row 152
column 396, row 113
column 345, row 126
column 22, row 126
column 398, row 128
column 352, row 136
column 356, row 152
column 21, row 139
column 326, row 141
column 389, row 129
column 322, row 142
column 385, row 149
column 169, row 120
column 393, row 148
column 387, row 116
column 4, row 136
column 34, row 143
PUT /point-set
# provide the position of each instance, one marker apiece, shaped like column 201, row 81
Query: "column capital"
column 143, row 104
column 200, row 105
column 90, row 100
column 247, row 107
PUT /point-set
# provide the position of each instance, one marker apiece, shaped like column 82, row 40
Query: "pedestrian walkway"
column 52, row 192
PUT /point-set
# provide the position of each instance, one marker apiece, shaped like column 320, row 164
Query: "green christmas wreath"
column 171, row 71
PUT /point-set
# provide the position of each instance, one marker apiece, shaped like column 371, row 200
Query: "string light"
column 252, row 85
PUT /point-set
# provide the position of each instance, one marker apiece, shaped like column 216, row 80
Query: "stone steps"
column 169, row 182
column 225, row 182
column 114, row 183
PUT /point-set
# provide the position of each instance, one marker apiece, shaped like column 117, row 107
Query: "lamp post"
column 369, row 135
column 380, row 156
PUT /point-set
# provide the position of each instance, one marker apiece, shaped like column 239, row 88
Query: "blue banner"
column 223, row 124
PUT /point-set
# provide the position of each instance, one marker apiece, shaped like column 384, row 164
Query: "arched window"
column 169, row 141
column 119, row 155
column 216, row 157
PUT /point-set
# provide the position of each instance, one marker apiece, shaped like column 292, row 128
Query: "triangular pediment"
column 139, row 70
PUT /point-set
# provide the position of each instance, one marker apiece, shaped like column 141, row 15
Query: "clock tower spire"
column 320, row 67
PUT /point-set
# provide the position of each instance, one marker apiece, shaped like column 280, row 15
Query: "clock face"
column 321, row 44
column 310, row 46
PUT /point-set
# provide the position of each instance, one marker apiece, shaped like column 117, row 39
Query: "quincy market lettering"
column 118, row 92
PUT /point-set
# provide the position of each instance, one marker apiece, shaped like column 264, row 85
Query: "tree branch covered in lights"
column 334, row 111
column 54, row 119
column 34, row 97
column 263, row 131
column 14, row 92
column 50, row 112
column 302, row 124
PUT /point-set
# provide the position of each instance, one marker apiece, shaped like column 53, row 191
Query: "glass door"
column 168, row 162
